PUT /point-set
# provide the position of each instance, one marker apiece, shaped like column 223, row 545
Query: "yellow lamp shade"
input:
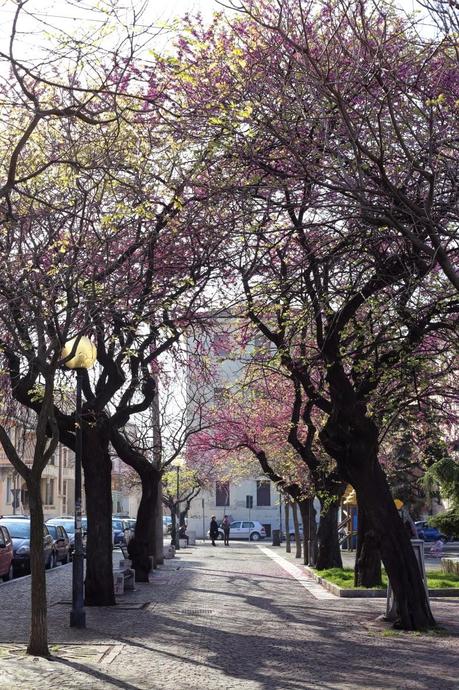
column 85, row 353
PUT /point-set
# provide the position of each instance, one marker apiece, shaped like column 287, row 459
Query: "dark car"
column 428, row 533
column 6, row 554
column 68, row 523
column 19, row 530
column 61, row 543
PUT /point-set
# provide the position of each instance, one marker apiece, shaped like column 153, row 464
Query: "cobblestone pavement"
column 223, row 619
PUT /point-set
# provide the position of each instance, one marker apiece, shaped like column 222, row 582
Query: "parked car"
column 247, row 529
column 19, row 530
column 428, row 533
column 61, row 543
column 6, row 554
column 68, row 523
column 131, row 522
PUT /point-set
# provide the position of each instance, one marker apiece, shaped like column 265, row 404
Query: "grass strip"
column 344, row 577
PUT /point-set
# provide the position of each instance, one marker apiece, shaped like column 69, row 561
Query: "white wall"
column 267, row 515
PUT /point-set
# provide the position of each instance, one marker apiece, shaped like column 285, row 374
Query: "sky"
column 42, row 20
column 66, row 15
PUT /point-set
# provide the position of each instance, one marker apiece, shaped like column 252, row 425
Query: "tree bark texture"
column 38, row 640
column 97, row 466
column 158, row 526
column 297, row 530
column 351, row 438
column 288, row 547
column 328, row 550
column 367, row 570
column 308, row 513
column 142, row 547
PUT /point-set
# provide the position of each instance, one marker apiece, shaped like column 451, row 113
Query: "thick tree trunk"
column 288, row 548
column 373, row 495
column 158, row 527
column 367, row 570
column 142, row 545
column 97, row 466
column 297, row 530
column 353, row 442
column 38, row 641
column 309, row 532
column 328, row 550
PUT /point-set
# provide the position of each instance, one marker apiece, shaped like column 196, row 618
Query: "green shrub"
column 447, row 522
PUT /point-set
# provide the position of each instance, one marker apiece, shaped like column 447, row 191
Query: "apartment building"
column 246, row 499
column 57, row 484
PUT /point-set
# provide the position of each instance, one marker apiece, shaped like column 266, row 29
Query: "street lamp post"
column 84, row 355
column 177, row 463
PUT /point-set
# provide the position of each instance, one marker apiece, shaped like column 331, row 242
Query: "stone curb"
column 371, row 593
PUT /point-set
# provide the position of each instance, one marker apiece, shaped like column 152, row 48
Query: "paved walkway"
column 223, row 619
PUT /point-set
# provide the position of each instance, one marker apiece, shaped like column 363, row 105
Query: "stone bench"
column 124, row 577
column 169, row 552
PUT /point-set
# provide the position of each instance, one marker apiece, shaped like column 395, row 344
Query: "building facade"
column 247, row 499
column 57, row 483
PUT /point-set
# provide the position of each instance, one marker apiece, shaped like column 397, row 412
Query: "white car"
column 245, row 529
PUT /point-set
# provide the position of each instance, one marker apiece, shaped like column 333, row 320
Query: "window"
column 222, row 494
column 48, row 492
column 235, row 525
column 2, row 538
column 248, row 525
column 64, row 496
column 263, row 492
column 9, row 490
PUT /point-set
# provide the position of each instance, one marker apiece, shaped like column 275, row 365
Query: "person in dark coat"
column 226, row 529
column 213, row 530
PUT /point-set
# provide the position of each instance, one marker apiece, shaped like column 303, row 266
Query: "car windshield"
column 52, row 529
column 118, row 524
column 69, row 525
column 18, row 529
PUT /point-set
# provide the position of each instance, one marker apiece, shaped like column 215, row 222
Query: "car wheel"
column 254, row 536
column 9, row 575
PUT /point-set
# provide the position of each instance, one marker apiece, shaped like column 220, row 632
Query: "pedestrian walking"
column 213, row 531
column 226, row 529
